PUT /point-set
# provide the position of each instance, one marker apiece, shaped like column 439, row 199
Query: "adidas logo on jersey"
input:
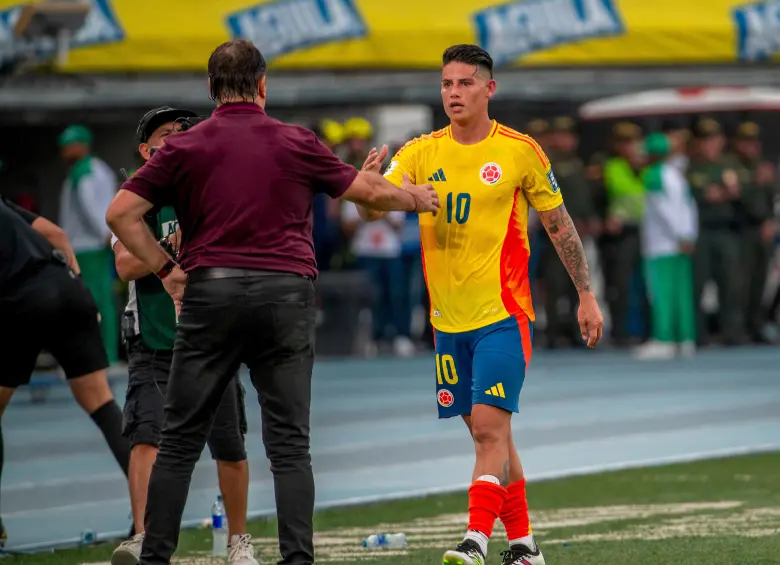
column 438, row 176
column 497, row 390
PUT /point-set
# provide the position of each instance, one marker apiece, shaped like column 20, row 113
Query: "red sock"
column 514, row 513
column 485, row 502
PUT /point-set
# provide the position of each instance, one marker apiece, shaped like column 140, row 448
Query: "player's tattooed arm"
column 567, row 242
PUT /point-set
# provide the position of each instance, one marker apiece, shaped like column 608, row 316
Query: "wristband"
column 166, row 269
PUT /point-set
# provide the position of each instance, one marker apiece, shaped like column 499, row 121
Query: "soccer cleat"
column 241, row 551
column 467, row 553
column 129, row 551
column 522, row 555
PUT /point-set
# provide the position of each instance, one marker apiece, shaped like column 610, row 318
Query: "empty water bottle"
column 219, row 528
column 385, row 541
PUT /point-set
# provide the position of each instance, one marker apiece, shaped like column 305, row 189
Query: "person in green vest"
column 716, row 188
column 88, row 189
column 757, row 177
column 149, row 329
column 625, row 196
column 669, row 231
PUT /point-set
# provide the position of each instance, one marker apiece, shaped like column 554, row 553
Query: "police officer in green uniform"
column 756, row 210
column 625, row 196
column 560, row 300
column 715, row 186
column 149, row 330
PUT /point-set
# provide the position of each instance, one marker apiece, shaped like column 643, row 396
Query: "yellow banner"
column 179, row 35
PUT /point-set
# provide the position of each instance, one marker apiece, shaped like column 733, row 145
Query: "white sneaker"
column 241, row 551
column 404, row 347
column 688, row 349
column 655, row 350
column 522, row 555
column 129, row 551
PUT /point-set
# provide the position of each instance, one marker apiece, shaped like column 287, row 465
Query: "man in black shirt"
column 45, row 305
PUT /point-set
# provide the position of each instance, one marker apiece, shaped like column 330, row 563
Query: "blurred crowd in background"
column 725, row 264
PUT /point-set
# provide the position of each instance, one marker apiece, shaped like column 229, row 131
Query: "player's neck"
column 471, row 132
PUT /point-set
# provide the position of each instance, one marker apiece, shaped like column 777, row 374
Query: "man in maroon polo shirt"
column 242, row 185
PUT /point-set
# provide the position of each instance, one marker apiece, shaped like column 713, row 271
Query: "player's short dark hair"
column 234, row 70
column 470, row 55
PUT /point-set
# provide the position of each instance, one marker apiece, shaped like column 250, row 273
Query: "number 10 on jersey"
column 458, row 206
column 445, row 370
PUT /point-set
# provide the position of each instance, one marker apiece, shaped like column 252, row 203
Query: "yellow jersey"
column 475, row 250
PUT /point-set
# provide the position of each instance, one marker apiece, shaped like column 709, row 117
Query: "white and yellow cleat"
column 522, row 555
column 467, row 553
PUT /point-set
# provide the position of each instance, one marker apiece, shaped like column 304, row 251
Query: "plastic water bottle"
column 385, row 541
column 219, row 528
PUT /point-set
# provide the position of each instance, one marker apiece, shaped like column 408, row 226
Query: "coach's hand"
column 425, row 197
column 590, row 318
column 373, row 163
column 175, row 283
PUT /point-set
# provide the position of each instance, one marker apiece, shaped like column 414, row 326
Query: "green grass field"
column 724, row 511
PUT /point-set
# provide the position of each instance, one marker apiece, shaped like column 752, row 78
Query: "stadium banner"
column 179, row 35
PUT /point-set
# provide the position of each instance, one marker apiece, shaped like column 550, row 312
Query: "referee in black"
column 242, row 185
column 45, row 305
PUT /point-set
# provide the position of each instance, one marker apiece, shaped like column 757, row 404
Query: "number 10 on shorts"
column 445, row 370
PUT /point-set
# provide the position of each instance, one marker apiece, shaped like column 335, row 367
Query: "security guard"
column 561, row 297
column 539, row 129
column 625, row 194
column 715, row 186
column 756, row 215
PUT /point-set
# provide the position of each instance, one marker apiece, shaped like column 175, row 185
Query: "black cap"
column 157, row 117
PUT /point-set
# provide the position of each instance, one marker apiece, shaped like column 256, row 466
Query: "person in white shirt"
column 668, row 234
column 88, row 190
column 377, row 247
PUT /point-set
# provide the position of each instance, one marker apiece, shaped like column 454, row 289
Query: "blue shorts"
column 483, row 366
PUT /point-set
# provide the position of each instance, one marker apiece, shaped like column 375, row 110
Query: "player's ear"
column 491, row 88
column 143, row 149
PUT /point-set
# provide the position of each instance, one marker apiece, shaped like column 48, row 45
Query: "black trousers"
column 266, row 321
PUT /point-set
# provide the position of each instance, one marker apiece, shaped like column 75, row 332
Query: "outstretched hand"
column 374, row 160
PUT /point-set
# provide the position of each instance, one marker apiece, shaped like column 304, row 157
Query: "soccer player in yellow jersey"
column 475, row 258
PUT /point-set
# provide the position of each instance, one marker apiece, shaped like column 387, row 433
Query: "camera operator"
column 45, row 305
column 149, row 329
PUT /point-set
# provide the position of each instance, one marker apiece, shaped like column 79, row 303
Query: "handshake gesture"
column 425, row 197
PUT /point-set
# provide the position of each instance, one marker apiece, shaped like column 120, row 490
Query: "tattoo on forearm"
column 568, row 244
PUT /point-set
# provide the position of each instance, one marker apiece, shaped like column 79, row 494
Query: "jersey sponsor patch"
column 446, row 398
column 391, row 167
column 553, row 181
column 490, row 173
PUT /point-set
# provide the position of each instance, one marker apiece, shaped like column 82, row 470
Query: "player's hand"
column 373, row 163
column 175, row 239
column 425, row 197
column 590, row 319
column 174, row 284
